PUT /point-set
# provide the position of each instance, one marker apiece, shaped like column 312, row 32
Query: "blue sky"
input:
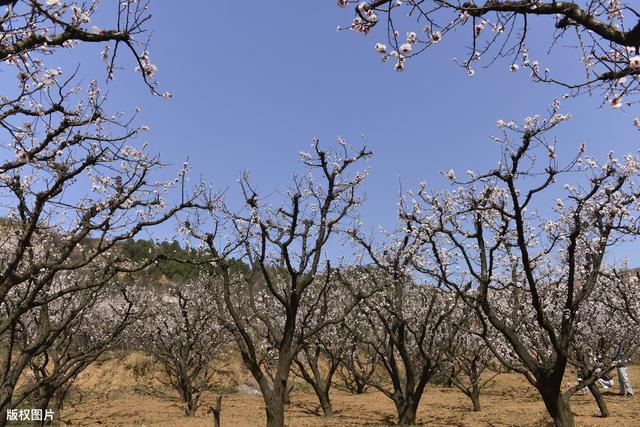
column 254, row 82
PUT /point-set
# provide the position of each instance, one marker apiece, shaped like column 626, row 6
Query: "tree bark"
column 216, row 411
column 325, row 402
column 275, row 410
column 475, row 399
column 191, row 407
column 407, row 410
column 559, row 409
column 450, row 379
column 602, row 405
column 43, row 404
column 357, row 385
column 61, row 394
column 321, row 385
column 6, row 395
column 287, row 394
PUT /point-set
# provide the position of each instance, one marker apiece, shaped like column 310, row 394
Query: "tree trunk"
column 191, row 406
column 275, row 397
column 325, row 402
column 61, row 394
column 559, row 410
column 216, row 411
column 406, row 412
column 602, row 405
column 275, row 410
column 320, row 384
column 450, row 379
column 5, row 405
column 43, row 404
column 475, row 399
column 287, row 394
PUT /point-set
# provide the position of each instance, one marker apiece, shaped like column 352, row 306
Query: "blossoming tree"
column 402, row 324
column 270, row 309
column 69, row 333
column 180, row 328
column 73, row 186
column 497, row 231
column 602, row 326
column 469, row 364
column 322, row 354
column 606, row 33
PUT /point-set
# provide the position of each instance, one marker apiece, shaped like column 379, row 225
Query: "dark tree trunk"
column 275, row 397
column 46, row 394
column 287, row 394
column 275, row 410
column 321, row 384
column 325, row 402
column 191, row 406
column 43, row 404
column 602, row 405
column 353, row 381
column 61, row 395
column 559, row 409
column 407, row 409
column 4, row 408
column 274, row 388
column 450, row 379
column 475, row 399
column 216, row 411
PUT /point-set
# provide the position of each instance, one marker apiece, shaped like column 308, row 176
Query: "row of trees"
column 489, row 264
column 482, row 276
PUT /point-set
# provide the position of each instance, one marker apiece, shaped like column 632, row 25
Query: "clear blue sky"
column 254, row 82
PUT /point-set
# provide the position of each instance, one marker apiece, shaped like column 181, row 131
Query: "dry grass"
column 108, row 394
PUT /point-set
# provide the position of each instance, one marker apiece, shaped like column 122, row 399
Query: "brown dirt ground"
column 107, row 394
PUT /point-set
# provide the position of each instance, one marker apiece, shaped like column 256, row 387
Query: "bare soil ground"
column 109, row 394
